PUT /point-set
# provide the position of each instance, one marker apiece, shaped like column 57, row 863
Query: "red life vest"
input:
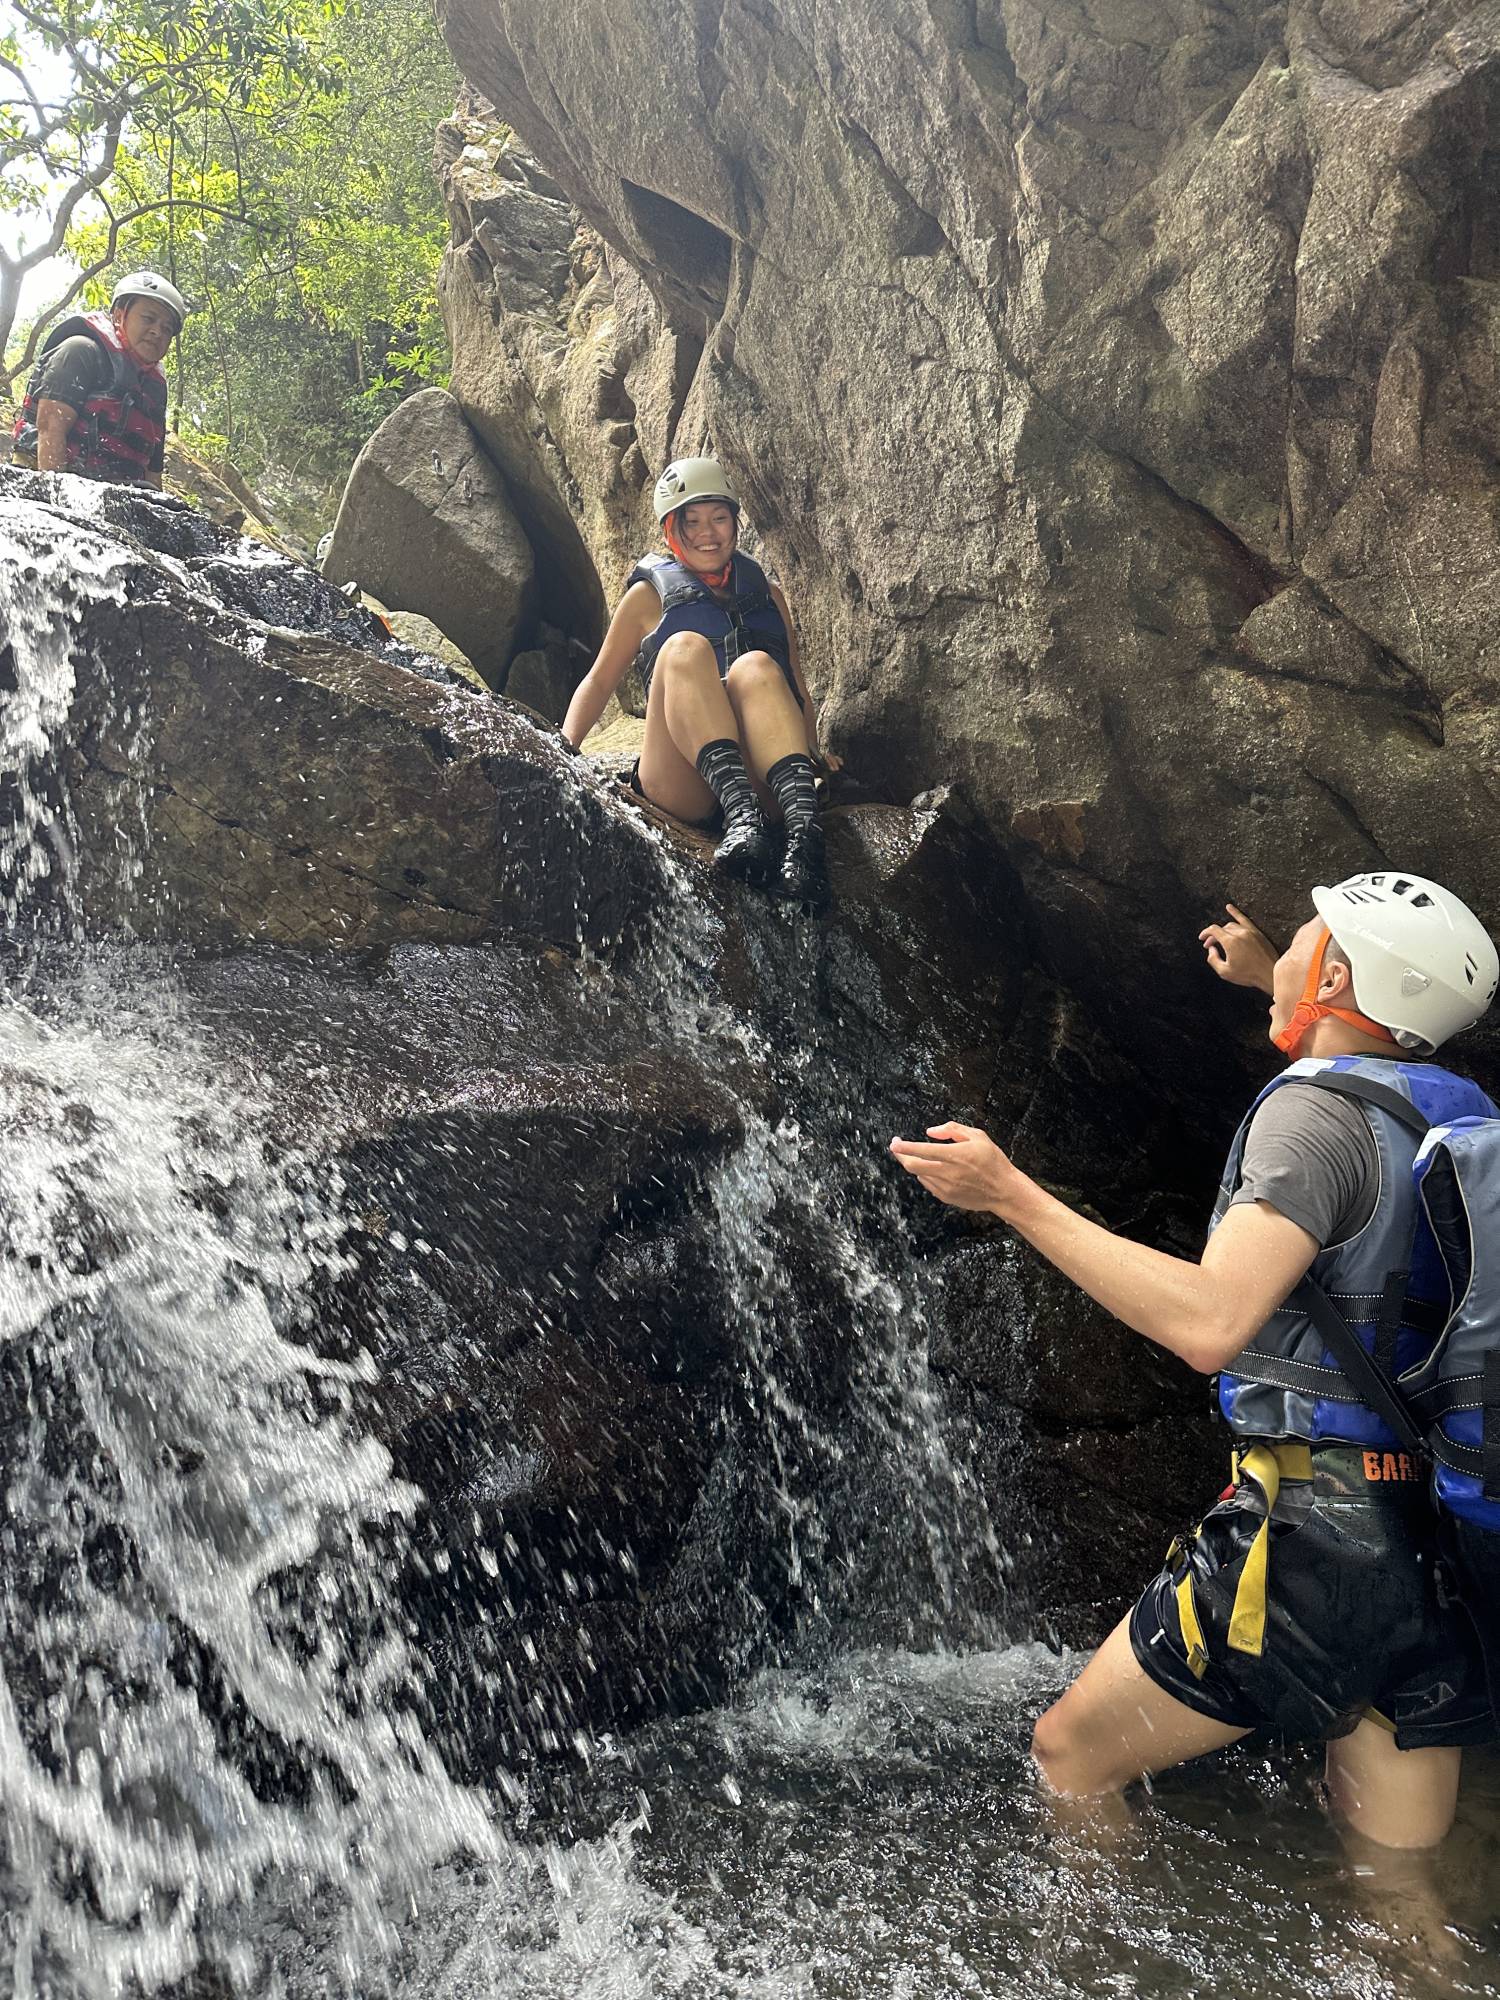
column 120, row 428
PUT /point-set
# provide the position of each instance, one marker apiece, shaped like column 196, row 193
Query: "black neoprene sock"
column 793, row 784
column 721, row 765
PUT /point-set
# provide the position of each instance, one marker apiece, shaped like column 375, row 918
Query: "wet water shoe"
column 803, row 876
column 747, row 851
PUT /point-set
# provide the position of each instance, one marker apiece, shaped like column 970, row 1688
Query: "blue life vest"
column 1455, row 1391
column 1287, row 1383
column 741, row 619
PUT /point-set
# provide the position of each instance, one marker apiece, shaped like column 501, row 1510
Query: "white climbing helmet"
column 688, row 479
column 1422, row 963
column 149, row 285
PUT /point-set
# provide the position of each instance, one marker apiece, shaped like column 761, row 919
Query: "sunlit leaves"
column 274, row 159
column 320, row 308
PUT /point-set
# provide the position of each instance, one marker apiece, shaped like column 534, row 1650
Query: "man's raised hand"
column 1239, row 951
column 962, row 1166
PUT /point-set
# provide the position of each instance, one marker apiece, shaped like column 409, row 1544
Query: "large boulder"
column 426, row 525
column 564, row 366
column 643, row 1291
column 1114, row 391
column 288, row 775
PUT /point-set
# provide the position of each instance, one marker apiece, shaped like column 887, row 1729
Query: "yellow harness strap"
column 1192, row 1631
column 1267, row 1465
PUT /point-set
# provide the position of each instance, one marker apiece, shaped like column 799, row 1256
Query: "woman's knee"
column 687, row 653
column 755, row 673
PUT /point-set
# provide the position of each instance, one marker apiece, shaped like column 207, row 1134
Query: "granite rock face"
column 425, row 525
column 563, row 365
column 1113, row 389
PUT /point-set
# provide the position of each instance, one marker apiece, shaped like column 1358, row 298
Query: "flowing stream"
column 215, row 1774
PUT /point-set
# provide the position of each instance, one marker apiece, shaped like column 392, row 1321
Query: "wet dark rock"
column 545, row 676
column 287, row 786
column 644, row 1295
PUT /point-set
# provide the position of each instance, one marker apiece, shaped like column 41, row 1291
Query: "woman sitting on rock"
column 724, row 690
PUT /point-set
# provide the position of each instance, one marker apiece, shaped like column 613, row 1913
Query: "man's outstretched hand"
column 962, row 1166
column 1239, row 951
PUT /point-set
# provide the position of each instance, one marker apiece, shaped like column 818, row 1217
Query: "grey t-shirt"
column 1312, row 1156
column 76, row 369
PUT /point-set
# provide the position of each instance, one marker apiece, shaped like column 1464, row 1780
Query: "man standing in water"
column 1305, row 1601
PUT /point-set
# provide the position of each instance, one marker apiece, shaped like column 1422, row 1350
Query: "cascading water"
column 37, row 609
column 244, row 1646
column 177, row 1462
column 211, row 1695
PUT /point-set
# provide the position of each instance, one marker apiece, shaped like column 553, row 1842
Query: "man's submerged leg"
column 1398, row 1798
column 1115, row 1724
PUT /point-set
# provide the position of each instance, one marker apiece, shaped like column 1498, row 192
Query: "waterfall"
column 218, row 1683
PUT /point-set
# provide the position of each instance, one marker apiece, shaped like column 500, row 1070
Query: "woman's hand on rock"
column 1239, row 951
column 962, row 1166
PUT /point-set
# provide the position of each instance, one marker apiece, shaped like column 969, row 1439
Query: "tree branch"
column 85, row 185
column 24, row 80
column 102, row 262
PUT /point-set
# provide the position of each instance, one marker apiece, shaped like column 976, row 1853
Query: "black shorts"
column 1356, row 1619
column 1472, row 1556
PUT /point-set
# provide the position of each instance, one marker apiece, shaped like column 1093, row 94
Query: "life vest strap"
column 1491, row 1446
column 1376, row 1390
column 1348, row 1083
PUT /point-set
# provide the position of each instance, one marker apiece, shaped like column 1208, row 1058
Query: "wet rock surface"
column 647, row 1304
column 287, row 785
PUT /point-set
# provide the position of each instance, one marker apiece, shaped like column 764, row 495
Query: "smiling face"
column 147, row 327
column 706, row 529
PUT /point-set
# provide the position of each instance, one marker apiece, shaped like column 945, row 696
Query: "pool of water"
column 871, row 1827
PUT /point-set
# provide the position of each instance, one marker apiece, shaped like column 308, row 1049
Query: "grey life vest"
column 1455, row 1391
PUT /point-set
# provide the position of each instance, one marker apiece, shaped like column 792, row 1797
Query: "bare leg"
column 773, row 730
column 687, row 708
column 1396, row 1806
column 1397, row 1798
column 768, row 714
column 1114, row 1725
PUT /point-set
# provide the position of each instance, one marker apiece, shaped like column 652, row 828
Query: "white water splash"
column 41, row 600
column 183, row 1447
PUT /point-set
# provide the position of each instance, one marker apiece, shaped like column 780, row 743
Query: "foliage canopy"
column 273, row 157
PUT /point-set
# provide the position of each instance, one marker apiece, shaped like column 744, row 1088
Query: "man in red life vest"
column 96, row 404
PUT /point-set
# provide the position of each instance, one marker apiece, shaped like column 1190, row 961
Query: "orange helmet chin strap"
column 717, row 579
column 1310, row 1010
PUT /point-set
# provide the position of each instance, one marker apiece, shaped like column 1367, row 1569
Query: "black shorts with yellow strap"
column 1309, row 1597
